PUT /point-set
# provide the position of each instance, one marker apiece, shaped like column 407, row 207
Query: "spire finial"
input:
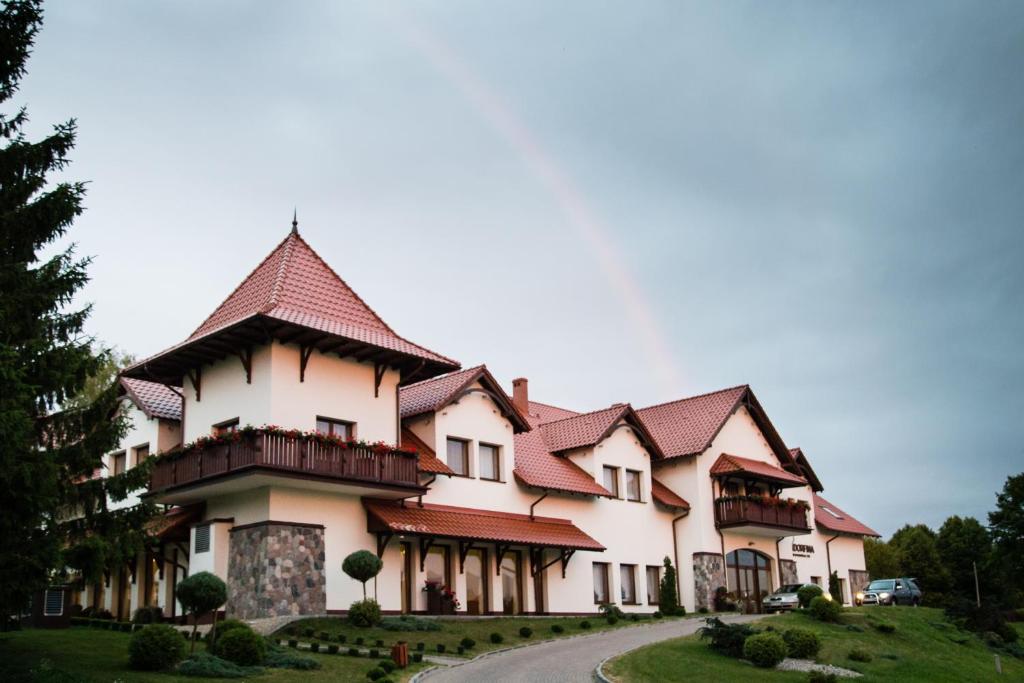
column 295, row 221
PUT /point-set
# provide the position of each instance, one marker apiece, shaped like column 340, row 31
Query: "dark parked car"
column 783, row 599
column 902, row 591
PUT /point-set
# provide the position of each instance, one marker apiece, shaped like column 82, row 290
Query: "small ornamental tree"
column 362, row 565
column 668, row 598
column 199, row 594
column 834, row 589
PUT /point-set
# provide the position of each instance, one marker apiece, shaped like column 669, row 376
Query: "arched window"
column 750, row 577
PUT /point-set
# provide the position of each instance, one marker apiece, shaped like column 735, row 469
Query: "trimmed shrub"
column 440, row 647
column 727, row 639
column 822, row 677
column 825, row 610
column 341, row 638
column 421, row 646
column 126, row 626
column 374, row 653
column 584, row 624
column 497, row 638
column 723, row 602
column 703, row 610
column 801, row 643
column 388, row 666
column 148, row 615
column 408, row 623
column 807, row 593
column 200, row 594
column 243, row 646
column 362, row 565
column 155, row 647
column 657, row 614
column 611, row 610
column 417, row 657
column 292, row 630
column 375, row 673
column 634, row 617
column 525, row 632
column 380, row 643
column 765, row 649
column 332, row 649
column 224, row 627
column 557, row 628
column 314, row 646
column 206, row 665
column 885, row 627
column 360, row 640
column 308, row 632
column 612, row 619
column 467, row 643
column 293, row 643
column 353, row 651
column 859, row 654
column 460, row 649
column 279, row 658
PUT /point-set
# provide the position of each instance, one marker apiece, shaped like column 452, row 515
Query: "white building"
column 311, row 429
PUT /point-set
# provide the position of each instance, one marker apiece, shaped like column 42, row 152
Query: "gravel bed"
column 807, row 665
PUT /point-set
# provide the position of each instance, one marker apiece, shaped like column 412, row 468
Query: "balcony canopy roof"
column 745, row 468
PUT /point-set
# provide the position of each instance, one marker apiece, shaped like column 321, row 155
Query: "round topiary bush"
column 657, row 614
column 364, row 613
column 314, row 646
column 353, row 652
column 525, row 632
column 764, row 649
column 224, row 627
column 467, row 643
column 440, row 647
column 421, row 646
column 243, row 646
column 801, row 643
column 148, row 615
column 807, row 593
column 155, row 647
column 824, row 609
column 584, row 624
column 885, row 627
column 332, row 649
column 417, row 657
column 557, row 628
column 387, row 665
column 858, row 654
column 497, row 638
column 375, row 673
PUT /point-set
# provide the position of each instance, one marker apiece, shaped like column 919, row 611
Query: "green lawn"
column 91, row 655
column 454, row 630
column 924, row 647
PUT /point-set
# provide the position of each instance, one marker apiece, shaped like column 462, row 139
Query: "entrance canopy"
column 745, row 468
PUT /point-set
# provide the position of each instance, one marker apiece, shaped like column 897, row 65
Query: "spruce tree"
column 54, row 514
column 669, row 598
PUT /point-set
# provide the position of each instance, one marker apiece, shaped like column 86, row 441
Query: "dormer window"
column 118, row 461
column 141, row 453
column 490, row 468
column 332, row 427
column 458, row 456
column 611, row 480
column 633, row 485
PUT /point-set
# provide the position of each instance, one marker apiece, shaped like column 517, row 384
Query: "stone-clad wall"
column 276, row 569
column 788, row 570
column 708, row 574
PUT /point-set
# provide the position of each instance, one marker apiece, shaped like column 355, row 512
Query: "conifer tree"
column 53, row 514
column 668, row 598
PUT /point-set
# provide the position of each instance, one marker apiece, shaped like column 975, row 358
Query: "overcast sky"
column 621, row 201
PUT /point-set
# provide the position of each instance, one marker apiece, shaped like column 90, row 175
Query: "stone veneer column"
column 708, row 574
column 276, row 569
column 787, row 572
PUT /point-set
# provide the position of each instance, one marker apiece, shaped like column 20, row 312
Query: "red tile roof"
column 542, row 412
column 666, row 496
column 840, row 522
column 801, row 463
column 538, row 467
column 689, row 425
column 153, row 399
column 478, row 525
column 734, row 464
column 581, row 430
column 174, row 523
column 294, row 285
column 429, row 461
column 433, row 394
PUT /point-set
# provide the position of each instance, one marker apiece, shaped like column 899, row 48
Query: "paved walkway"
column 567, row 659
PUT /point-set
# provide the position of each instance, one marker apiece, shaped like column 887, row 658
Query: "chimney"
column 521, row 395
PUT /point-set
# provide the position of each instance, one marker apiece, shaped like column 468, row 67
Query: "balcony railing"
column 737, row 511
column 286, row 454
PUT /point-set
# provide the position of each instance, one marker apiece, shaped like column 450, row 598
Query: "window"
column 118, row 462
column 831, row 511
column 225, row 427
column 611, row 480
column 489, row 464
column 633, row 480
column 458, row 456
column 602, row 591
column 203, row 538
column 338, row 428
column 627, row 585
column 53, row 603
column 436, row 565
column 816, row 580
column 653, row 585
column 141, row 453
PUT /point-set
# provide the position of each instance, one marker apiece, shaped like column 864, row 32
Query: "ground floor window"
column 511, row 584
column 405, row 550
column 602, row 591
column 750, row 577
column 653, row 585
column 627, row 583
column 475, row 568
column 435, row 565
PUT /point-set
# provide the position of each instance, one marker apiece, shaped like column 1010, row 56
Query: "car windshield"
column 885, row 585
column 791, row 588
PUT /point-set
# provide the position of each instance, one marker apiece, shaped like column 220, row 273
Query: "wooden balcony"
column 290, row 456
column 751, row 515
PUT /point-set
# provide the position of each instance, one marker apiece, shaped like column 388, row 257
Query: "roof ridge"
column 551, row 405
column 442, row 377
column 690, row 398
column 282, row 268
column 591, row 412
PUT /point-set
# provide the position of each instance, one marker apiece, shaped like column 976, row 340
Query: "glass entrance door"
column 751, row 577
column 511, row 588
column 476, row 581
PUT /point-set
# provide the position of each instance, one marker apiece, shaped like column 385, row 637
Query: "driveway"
column 567, row 659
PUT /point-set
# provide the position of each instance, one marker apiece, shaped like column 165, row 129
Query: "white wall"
column 142, row 431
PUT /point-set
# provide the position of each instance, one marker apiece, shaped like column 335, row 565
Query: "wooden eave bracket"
column 501, row 552
column 464, row 548
column 245, row 355
column 566, row 556
column 378, row 377
column 425, row 544
column 536, row 567
column 196, row 378
column 305, row 351
column 382, row 542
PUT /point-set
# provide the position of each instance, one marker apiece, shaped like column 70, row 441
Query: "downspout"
column 778, row 558
column 828, row 556
column 675, row 554
column 725, row 565
column 419, row 500
column 534, row 504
